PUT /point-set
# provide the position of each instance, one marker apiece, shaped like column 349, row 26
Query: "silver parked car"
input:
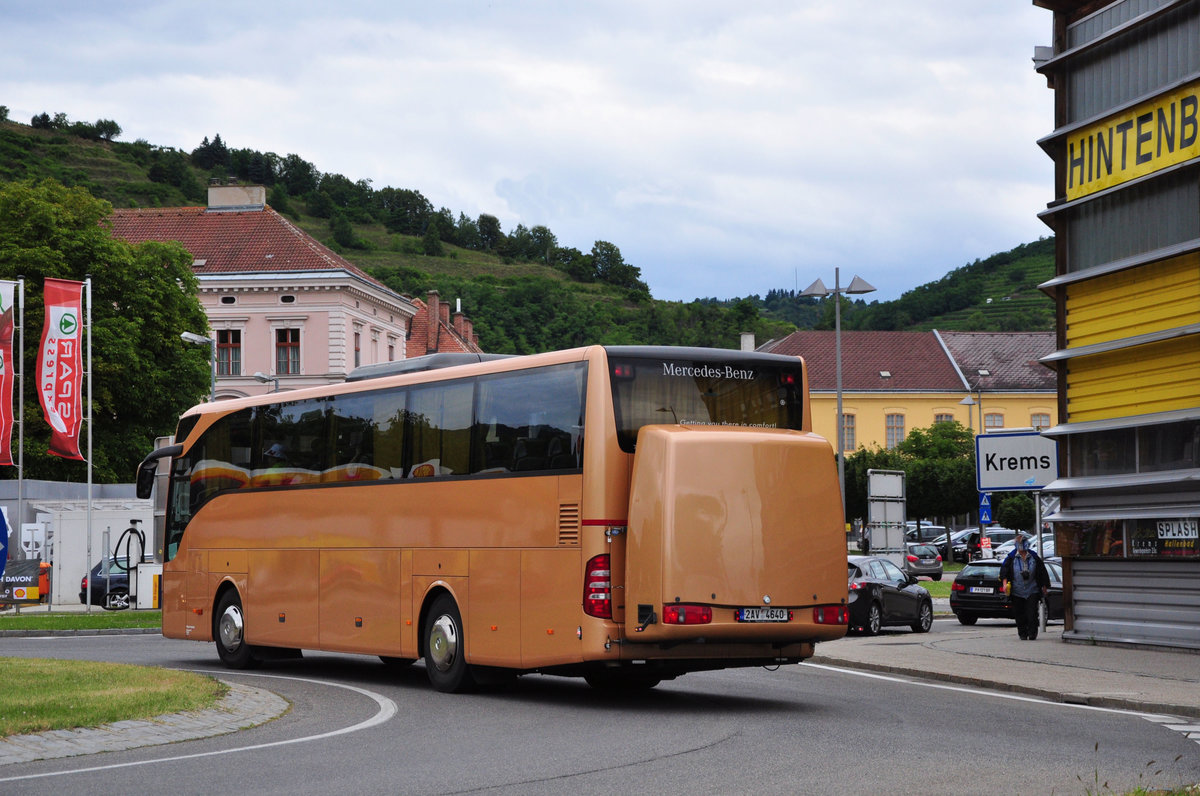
column 923, row 559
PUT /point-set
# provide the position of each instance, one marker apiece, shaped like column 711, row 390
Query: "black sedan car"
column 880, row 594
column 110, row 585
column 976, row 593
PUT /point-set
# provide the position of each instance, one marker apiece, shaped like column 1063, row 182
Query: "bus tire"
column 229, row 632
column 445, row 664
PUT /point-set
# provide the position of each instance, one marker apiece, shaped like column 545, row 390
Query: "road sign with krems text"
column 1020, row 460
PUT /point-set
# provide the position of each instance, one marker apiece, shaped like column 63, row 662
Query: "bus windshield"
column 741, row 390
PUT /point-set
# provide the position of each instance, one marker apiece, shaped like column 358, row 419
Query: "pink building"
column 285, row 310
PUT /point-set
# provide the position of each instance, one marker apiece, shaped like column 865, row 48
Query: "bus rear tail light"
column 678, row 614
column 787, row 379
column 597, row 587
column 831, row 615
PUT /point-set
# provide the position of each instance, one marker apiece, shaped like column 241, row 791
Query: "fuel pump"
column 133, row 563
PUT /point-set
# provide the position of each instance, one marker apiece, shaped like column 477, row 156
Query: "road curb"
column 1066, row 698
column 242, row 708
column 107, row 631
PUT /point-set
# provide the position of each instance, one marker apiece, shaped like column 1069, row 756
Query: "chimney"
column 236, row 198
column 747, row 341
column 468, row 329
column 444, row 312
column 431, row 299
column 458, row 323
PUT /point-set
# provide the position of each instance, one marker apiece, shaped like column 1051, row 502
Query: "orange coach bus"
column 625, row 514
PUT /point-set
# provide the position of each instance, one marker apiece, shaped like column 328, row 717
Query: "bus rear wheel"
column 229, row 631
column 445, row 664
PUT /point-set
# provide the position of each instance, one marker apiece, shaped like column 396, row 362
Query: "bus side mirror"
column 149, row 467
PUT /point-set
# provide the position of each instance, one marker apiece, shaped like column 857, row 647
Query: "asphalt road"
column 359, row 726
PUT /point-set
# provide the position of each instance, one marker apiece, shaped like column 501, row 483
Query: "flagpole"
column 19, row 356
column 87, row 288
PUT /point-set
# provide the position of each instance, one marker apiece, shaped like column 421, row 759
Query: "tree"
column 856, row 467
column 939, row 466
column 466, row 233
column 211, row 155
column 298, row 175
column 3, row 113
column 107, row 129
column 143, row 296
column 431, row 242
column 1017, row 512
column 490, row 235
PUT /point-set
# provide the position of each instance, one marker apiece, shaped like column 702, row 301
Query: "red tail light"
column 787, row 379
column 956, row 586
column 597, row 587
column 831, row 615
column 912, row 559
column 678, row 614
column 939, row 558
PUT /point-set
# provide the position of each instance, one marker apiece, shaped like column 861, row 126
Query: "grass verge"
column 35, row 618
column 55, row 695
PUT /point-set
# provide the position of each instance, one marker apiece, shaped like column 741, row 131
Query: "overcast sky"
column 725, row 148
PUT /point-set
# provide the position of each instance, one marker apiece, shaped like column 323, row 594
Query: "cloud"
column 725, row 150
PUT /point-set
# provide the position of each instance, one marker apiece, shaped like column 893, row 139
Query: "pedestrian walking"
column 1023, row 576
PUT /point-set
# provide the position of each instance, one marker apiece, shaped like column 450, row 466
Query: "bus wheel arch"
column 228, row 630
column 442, row 644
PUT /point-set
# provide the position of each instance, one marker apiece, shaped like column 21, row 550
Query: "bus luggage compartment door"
column 731, row 518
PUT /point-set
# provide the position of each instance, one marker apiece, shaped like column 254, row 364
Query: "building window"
column 1039, row 420
column 391, row 350
column 942, row 418
column 357, row 349
column 287, row 352
column 229, row 352
column 895, row 430
column 849, row 441
column 992, row 422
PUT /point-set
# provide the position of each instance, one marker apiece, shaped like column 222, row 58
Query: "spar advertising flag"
column 8, row 368
column 59, row 366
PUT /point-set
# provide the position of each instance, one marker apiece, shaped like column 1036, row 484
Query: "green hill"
column 523, row 292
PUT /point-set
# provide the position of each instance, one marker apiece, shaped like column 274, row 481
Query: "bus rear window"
column 740, row 391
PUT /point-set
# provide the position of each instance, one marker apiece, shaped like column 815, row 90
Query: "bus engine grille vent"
column 568, row 524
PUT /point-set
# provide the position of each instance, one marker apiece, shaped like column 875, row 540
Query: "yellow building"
column 893, row 382
column 1125, row 210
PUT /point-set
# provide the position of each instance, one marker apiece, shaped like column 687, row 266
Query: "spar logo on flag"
column 7, row 325
column 60, row 366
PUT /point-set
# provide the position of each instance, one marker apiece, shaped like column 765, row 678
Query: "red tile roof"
column 225, row 242
column 1011, row 359
column 446, row 341
column 915, row 360
column 918, row 362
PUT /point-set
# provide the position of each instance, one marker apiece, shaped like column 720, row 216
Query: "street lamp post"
column 200, row 339
column 817, row 289
column 969, row 402
column 259, row 376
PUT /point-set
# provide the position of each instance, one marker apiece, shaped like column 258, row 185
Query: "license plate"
column 982, row 590
column 762, row 615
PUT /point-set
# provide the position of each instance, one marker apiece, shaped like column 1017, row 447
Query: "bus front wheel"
column 445, row 663
column 230, row 633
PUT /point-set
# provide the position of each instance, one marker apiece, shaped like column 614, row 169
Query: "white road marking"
column 1174, row 723
column 387, row 709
